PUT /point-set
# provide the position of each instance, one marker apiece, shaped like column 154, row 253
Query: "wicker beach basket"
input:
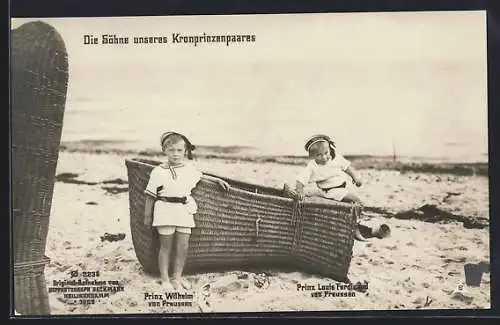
column 249, row 227
column 39, row 67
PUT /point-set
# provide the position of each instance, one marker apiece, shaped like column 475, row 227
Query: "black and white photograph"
column 250, row 163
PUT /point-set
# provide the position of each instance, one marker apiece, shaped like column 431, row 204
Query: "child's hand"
column 223, row 184
column 298, row 195
column 299, row 191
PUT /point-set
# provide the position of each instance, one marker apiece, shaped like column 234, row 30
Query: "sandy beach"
column 419, row 90
column 419, row 265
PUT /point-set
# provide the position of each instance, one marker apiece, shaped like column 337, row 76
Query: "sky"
column 414, row 80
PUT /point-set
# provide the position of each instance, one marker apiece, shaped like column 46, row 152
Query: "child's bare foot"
column 358, row 235
column 167, row 285
column 181, row 283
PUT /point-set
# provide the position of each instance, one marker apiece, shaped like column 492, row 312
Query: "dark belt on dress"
column 173, row 199
column 330, row 188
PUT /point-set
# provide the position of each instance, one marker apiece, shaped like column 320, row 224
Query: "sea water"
column 412, row 108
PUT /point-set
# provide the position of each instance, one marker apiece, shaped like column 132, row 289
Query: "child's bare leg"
column 353, row 198
column 164, row 259
column 181, row 251
column 312, row 191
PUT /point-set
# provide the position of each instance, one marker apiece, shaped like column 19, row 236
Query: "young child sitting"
column 327, row 172
column 170, row 207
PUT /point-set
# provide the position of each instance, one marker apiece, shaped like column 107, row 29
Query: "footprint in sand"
column 126, row 260
column 62, row 268
column 398, row 306
column 418, row 267
column 422, row 302
column 455, row 260
column 444, row 229
column 229, row 288
column 478, row 241
column 462, row 296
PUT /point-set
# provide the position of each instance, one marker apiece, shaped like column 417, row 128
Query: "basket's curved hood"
column 39, row 66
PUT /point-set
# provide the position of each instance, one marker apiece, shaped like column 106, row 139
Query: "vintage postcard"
column 250, row 163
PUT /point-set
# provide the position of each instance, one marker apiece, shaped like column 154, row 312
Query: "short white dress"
column 330, row 180
column 173, row 183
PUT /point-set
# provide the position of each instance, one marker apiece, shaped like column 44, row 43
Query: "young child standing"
column 327, row 171
column 170, row 207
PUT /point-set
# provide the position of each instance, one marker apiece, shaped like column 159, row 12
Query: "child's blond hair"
column 170, row 138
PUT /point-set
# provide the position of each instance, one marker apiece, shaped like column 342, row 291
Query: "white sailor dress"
column 171, row 188
column 330, row 179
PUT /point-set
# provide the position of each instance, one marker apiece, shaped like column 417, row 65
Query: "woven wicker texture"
column 30, row 294
column 250, row 226
column 39, row 80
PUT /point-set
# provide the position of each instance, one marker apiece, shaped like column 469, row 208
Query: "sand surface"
column 418, row 266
